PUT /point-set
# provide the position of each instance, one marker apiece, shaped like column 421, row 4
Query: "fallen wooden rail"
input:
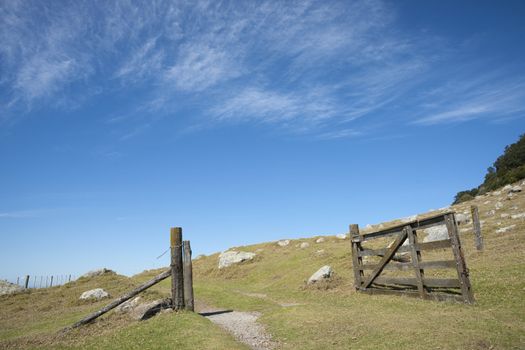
column 122, row 299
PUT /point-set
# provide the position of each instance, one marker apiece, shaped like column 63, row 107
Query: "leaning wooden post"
column 188, row 277
column 477, row 227
column 122, row 299
column 26, row 284
column 356, row 259
column 177, row 273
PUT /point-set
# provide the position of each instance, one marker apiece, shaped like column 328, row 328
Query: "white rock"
column 320, row 252
column 304, row 245
column 98, row 272
column 322, row 273
column 498, row 205
column 319, row 240
column 340, row 236
column 515, row 189
column 435, row 233
column 284, row 242
column 9, row 288
column 233, row 257
column 128, row 306
column 486, row 202
column 408, row 219
column 504, row 215
column 491, row 212
column 518, row 216
column 505, row 229
column 147, row 310
column 506, row 187
column 97, row 294
column 462, row 218
column 496, row 193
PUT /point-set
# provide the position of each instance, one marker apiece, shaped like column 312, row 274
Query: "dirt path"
column 242, row 325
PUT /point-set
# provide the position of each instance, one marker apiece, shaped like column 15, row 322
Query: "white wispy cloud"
column 306, row 66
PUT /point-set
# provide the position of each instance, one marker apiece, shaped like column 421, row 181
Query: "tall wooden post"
column 356, row 259
column 51, row 283
column 463, row 273
column 177, row 274
column 188, row 277
column 26, row 284
column 478, row 239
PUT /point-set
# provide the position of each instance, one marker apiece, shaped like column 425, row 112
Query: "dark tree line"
column 508, row 168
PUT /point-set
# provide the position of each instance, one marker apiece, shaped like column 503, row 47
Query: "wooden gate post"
column 463, row 273
column 477, row 227
column 177, row 277
column 188, row 277
column 356, row 259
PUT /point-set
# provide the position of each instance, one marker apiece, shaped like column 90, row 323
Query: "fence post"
column 357, row 261
column 177, row 277
column 18, row 280
column 463, row 272
column 69, row 279
column 188, row 277
column 26, row 284
column 477, row 227
column 51, row 283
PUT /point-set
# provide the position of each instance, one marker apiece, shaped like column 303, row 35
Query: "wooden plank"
column 188, row 277
column 428, row 282
column 177, row 270
column 416, row 258
column 416, row 224
column 357, row 261
column 388, row 256
column 466, row 289
column 419, row 246
column 414, row 294
column 120, row 300
column 478, row 239
column 427, row 265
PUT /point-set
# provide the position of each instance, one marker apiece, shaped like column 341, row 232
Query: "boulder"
column 128, row 306
column 340, row 236
column 323, row 273
column 518, row 216
column 304, row 245
column 505, row 229
column 95, row 294
column 435, row 233
column 9, row 288
column 233, row 257
column 498, row 205
column 98, row 272
column 283, row 243
column 515, row 189
column 504, row 215
column 319, row 240
column 462, row 218
column 148, row 310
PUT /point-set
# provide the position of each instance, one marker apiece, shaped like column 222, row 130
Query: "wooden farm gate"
column 379, row 269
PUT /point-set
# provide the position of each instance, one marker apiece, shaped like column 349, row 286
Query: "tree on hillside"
column 508, row 168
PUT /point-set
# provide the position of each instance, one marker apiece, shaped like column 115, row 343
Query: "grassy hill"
column 329, row 315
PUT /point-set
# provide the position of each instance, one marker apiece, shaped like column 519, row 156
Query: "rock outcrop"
column 231, row 257
column 323, row 273
column 94, row 294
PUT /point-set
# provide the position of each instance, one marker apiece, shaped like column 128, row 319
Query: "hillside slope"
column 328, row 315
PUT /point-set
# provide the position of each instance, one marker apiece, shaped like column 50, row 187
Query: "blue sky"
column 242, row 122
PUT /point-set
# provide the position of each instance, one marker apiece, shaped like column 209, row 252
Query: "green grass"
column 331, row 315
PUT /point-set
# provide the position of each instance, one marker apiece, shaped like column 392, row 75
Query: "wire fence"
column 36, row 281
